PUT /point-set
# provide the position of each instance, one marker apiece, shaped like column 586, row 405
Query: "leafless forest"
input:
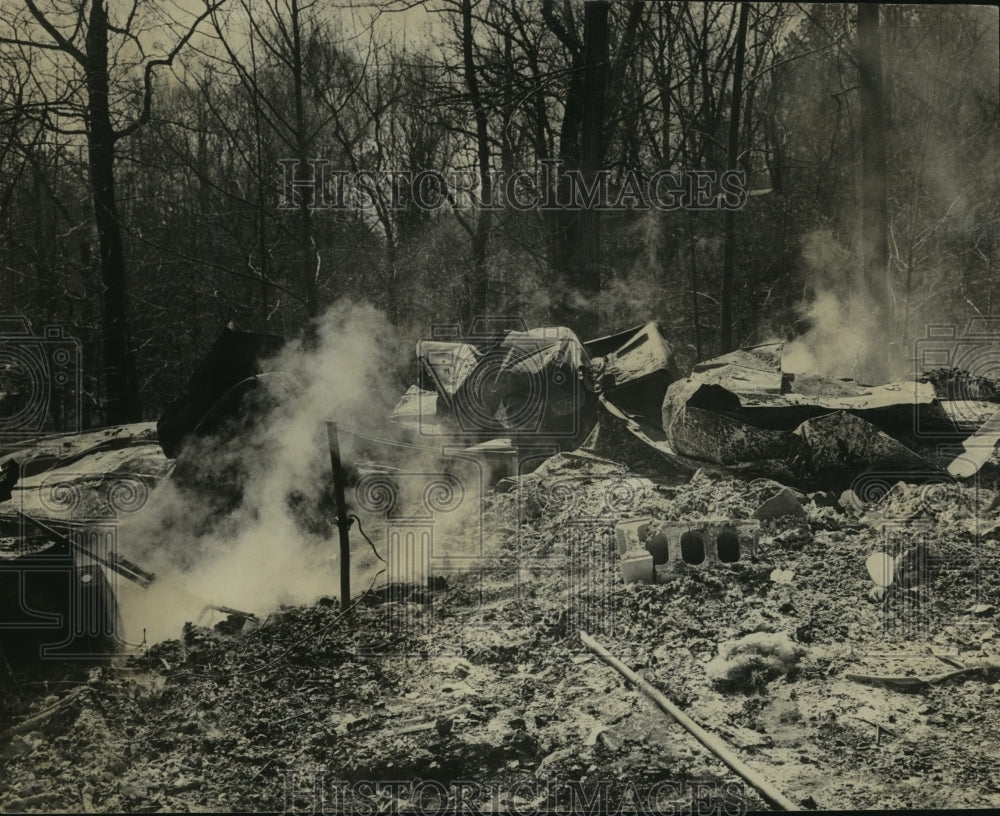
column 141, row 184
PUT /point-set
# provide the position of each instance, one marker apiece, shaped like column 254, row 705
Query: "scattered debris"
column 882, row 568
column 912, row 566
column 985, row 668
column 32, row 722
column 228, row 610
column 770, row 793
column 751, row 661
column 10, row 472
column 977, row 449
column 416, row 728
column 838, row 447
column 637, row 566
column 251, row 703
column 110, row 558
column 782, row 503
column 850, row 503
column 823, row 498
column 60, row 554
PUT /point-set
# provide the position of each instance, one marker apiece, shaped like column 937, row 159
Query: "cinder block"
column 630, row 532
column 637, row 567
column 705, row 542
column 658, row 545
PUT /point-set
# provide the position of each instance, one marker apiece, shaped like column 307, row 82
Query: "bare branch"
column 32, row 44
column 566, row 36
column 147, row 96
column 63, row 43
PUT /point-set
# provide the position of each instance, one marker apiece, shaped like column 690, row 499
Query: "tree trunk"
column 874, row 214
column 695, row 309
column 119, row 361
column 562, row 223
column 261, row 216
column 307, row 239
column 595, row 79
column 729, row 250
column 478, row 287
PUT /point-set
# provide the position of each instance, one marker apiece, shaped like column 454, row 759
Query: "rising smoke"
column 245, row 519
column 845, row 335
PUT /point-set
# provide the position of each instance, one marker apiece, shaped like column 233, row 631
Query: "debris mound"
column 752, row 661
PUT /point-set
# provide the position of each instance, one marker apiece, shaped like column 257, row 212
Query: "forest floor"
column 483, row 680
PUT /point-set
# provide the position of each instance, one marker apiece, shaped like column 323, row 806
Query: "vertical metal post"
column 343, row 522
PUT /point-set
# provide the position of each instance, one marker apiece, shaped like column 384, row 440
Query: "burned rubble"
column 510, row 693
column 741, row 412
column 689, row 524
column 58, row 565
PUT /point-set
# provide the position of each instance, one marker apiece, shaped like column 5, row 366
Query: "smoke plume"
column 247, row 521
column 846, row 335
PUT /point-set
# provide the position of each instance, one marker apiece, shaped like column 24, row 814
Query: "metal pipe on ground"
column 770, row 793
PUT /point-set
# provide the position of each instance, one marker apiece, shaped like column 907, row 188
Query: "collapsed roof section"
column 740, row 412
column 543, row 387
column 536, row 384
column 444, row 366
column 530, row 385
column 742, row 407
column 634, row 368
column 766, row 395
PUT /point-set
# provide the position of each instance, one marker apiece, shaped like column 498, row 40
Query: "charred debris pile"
column 623, row 397
column 750, row 543
column 521, row 403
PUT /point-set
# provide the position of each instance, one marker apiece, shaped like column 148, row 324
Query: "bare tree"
column 89, row 41
column 874, row 182
column 729, row 255
column 479, row 283
column 292, row 37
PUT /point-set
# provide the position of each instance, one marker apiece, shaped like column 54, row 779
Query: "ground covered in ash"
column 481, row 677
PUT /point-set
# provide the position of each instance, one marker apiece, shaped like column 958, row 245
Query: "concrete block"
column 630, row 532
column 703, row 541
column 637, row 567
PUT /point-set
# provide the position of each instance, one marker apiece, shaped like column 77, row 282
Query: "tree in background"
column 198, row 190
column 732, row 161
column 81, row 69
column 874, row 184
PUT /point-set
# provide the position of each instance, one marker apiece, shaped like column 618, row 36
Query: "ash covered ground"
column 481, row 675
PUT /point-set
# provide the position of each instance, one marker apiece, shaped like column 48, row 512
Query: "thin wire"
column 370, row 542
column 384, row 441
